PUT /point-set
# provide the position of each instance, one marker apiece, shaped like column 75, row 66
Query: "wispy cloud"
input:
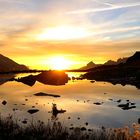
column 119, row 30
column 14, row 1
column 107, row 26
column 113, row 7
column 104, row 3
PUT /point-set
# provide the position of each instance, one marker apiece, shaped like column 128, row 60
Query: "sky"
column 36, row 32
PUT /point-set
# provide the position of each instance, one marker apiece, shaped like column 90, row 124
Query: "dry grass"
column 11, row 130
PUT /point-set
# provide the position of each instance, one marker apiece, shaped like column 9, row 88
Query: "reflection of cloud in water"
column 16, row 93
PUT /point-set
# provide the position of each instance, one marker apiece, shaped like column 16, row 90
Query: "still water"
column 77, row 98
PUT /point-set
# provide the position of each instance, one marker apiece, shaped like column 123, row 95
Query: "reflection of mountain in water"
column 124, row 73
column 48, row 78
column 6, row 77
column 28, row 80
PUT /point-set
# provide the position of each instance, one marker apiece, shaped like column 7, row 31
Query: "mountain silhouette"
column 6, row 64
column 110, row 62
column 123, row 73
column 89, row 66
column 134, row 60
column 92, row 65
column 119, row 61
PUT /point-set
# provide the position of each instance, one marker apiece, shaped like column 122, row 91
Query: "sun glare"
column 62, row 33
column 58, row 63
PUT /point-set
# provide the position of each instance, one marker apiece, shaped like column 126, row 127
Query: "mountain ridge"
column 7, row 64
column 91, row 64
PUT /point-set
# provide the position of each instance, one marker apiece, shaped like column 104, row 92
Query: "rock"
column 103, row 128
column 24, row 122
column 45, row 94
column 123, row 105
column 127, row 108
column 86, row 123
column 92, row 81
column 28, row 80
column 4, row 102
column 71, row 128
column 73, row 78
column 53, row 77
column 55, row 111
column 32, row 111
column 97, row 103
column 139, row 120
column 133, row 103
column 119, row 100
column 83, row 129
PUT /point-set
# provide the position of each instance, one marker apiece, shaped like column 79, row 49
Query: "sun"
column 62, row 33
column 58, row 63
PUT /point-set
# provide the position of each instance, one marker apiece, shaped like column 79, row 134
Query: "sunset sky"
column 38, row 32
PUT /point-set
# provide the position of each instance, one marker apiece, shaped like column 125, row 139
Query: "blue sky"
column 109, row 26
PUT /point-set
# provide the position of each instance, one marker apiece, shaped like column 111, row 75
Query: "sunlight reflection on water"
column 77, row 98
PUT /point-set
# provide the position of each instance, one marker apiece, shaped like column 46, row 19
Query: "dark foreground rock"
column 45, row 94
column 4, row 102
column 46, row 77
column 53, row 78
column 32, row 111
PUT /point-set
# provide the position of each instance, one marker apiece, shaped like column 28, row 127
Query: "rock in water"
column 4, row 102
column 45, row 94
column 83, row 129
column 53, row 77
column 32, row 111
column 97, row 103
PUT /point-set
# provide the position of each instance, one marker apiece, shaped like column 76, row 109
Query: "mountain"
column 123, row 73
column 6, row 64
column 134, row 60
column 122, row 60
column 110, row 62
column 89, row 66
column 119, row 61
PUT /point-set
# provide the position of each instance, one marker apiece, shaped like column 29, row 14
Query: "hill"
column 92, row 65
column 119, row 61
column 89, row 66
column 123, row 73
column 6, row 64
column 134, row 60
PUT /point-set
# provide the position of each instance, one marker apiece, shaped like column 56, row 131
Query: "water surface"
column 77, row 98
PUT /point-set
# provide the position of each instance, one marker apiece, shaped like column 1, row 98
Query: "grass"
column 11, row 130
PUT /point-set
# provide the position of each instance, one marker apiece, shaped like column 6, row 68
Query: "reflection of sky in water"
column 107, row 114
